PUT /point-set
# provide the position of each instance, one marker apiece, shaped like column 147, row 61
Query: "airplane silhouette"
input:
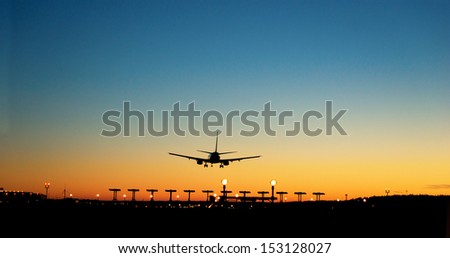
column 214, row 157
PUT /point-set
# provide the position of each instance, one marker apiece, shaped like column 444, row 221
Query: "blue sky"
column 72, row 60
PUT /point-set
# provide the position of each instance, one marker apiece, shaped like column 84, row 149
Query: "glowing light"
column 224, row 181
column 273, row 182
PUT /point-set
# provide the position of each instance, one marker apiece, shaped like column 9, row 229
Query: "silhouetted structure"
column 245, row 195
column 382, row 216
column 224, row 191
column 189, row 194
column 281, row 195
column 207, row 194
column 20, row 198
column 318, row 194
column 299, row 195
column 133, row 194
column 114, row 190
column 152, row 191
column 273, row 183
column 170, row 191
column 225, row 194
column 47, row 186
column 262, row 193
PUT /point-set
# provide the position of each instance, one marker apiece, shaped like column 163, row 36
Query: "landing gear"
column 206, row 165
column 221, row 166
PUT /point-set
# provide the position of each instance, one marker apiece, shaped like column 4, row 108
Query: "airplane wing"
column 239, row 159
column 189, row 157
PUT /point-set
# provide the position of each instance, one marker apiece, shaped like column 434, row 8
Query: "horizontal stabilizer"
column 205, row 151
column 227, row 152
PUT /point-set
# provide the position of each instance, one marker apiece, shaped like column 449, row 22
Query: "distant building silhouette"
column 19, row 197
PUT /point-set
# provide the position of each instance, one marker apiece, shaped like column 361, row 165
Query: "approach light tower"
column 152, row 191
column 207, row 194
column 245, row 195
column 189, row 194
column 262, row 193
column 281, row 195
column 133, row 194
column 299, row 195
column 170, row 191
column 318, row 194
column 114, row 190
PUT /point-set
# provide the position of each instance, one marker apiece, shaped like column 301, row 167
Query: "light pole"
column 47, row 186
column 387, row 191
column 224, row 183
column 98, row 197
column 273, row 183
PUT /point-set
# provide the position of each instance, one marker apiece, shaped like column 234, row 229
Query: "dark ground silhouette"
column 393, row 216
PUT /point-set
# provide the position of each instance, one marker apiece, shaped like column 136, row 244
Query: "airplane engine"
column 226, row 163
column 199, row 162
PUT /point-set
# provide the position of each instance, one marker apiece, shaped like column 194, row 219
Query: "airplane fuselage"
column 214, row 157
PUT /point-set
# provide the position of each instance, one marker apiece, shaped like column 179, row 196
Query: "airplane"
column 214, row 157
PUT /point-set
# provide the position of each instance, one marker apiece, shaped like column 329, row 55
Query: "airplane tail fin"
column 217, row 140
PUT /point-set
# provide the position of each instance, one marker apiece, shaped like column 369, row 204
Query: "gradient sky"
column 64, row 63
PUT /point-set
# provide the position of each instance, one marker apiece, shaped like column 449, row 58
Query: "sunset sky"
column 64, row 63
